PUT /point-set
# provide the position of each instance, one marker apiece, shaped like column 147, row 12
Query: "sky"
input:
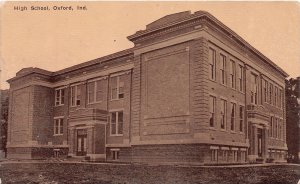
column 53, row 40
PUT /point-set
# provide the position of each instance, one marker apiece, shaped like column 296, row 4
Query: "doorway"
column 81, row 142
column 259, row 142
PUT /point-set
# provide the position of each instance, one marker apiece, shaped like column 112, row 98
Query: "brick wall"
column 42, row 125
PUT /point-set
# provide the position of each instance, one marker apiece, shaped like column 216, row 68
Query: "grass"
column 99, row 173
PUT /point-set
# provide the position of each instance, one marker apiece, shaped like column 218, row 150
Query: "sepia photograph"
column 135, row 92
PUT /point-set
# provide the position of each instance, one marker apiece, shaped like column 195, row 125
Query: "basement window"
column 115, row 154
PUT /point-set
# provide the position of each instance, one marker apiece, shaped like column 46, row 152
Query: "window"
column 212, row 106
column 276, row 127
column 280, row 98
column 223, row 114
column 117, row 88
column 243, row 156
column 279, row 129
column 271, row 93
column 232, row 116
column 75, row 95
column 254, row 89
column 265, row 91
column 222, row 69
column 214, row 155
column 212, row 64
column 241, row 116
column 58, row 126
column 235, row 155
column 115, row 154
column 232, row 73
column 59, row 97
column 271, row 127
column 95, row 91
column 225, row 155
column 241, row 78
column 116, row 123
column 275, row 95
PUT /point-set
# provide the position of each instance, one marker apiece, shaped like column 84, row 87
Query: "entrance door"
column 81, row 142
column 259, row 142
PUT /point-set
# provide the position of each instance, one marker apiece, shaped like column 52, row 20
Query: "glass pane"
column 211, row 120
column 113, row 129
column 120, row 117
column 62, row 96
column 211, row 56
column 113, row 123
column 78, row 90
column 120, row 128
column 79, row 144
column 61, row 126
column 113, row 117
column 99, row 96
column 99, row 91
column 57, row 94
column 56, row 130
column 91, row 87
column 114, row 93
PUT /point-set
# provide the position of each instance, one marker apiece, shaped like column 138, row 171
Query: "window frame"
column 223, row 75
column 212, row 64
column 232, row 116
column 214, row 155
column 212, row 111
column 241, row 78
column 280, row 100
column 271, row 93
column 271, row 126
column 232, row 74
column 77, row 97
column 254, row 89
column 275, row 96
column 223, row 117
column 265, row 90
column 59, row 127
column 59, row 100
column 95, row 91
column 117, row 112
column 119, row 85
column 241, row 118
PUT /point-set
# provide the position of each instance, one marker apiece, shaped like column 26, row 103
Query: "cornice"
column 208, row 18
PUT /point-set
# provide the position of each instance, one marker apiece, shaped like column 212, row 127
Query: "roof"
column 181, row 17
column 95, row 61
column 26, row 71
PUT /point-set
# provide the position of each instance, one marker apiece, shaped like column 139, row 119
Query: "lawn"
column 107, row 173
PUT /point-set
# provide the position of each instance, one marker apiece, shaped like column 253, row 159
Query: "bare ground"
column 110, row 173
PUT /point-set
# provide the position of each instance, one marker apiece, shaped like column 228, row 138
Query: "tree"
column 4, row 119
column 292, row 94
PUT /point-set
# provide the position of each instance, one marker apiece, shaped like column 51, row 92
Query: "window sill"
column 116, row 99
column 212, row 128
column 242, row 92
column 57, row 135
column 116, row 135
column 59, row 105
column 95, row 102
column 75, row 106
column 225, row 85
column 213, row 80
